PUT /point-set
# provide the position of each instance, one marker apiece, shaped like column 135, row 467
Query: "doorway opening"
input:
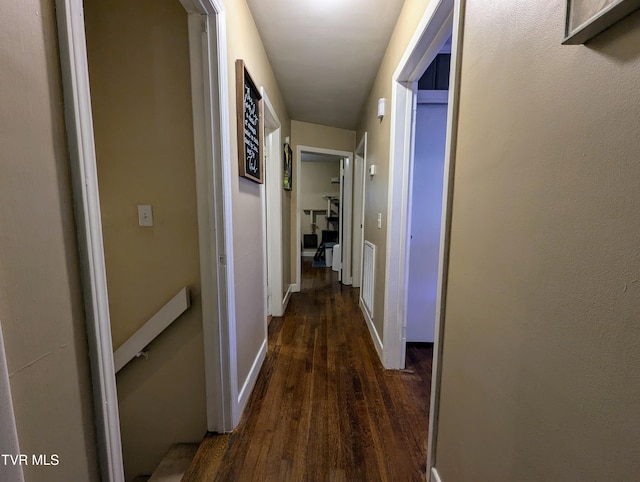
column 442, row 20
column 325, row 214
column 207, row 66
column 145, row 158
column 359, row 178
column 276, row 294
column 426, row 184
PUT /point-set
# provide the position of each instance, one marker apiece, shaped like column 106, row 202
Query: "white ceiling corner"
column 325, row 53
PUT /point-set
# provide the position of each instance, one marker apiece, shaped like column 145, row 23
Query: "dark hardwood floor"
column 323, row 408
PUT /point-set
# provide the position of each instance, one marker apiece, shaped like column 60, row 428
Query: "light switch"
column 145, row 215
column 379, row 220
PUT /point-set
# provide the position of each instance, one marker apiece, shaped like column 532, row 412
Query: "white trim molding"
column 252, row 377
column 224, row 229
column 208, row 59
column 220, row 333
column 358, row 218
column 148, row 332
column 79, row 122
column 432, row 32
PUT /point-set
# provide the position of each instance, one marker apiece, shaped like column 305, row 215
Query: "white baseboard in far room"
column 250, row 382
column 308, row 253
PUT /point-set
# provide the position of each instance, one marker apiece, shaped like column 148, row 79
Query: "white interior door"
column 426, row 212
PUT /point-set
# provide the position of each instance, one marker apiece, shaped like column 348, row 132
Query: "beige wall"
column 316, row 135
column 249, row 244
column 542, row 342
column 315, row 182
column 313, row 135
column 378, row 135
column 41, row 308
column 141, row 99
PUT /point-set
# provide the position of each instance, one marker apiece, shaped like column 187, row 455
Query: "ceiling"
column 325, row 53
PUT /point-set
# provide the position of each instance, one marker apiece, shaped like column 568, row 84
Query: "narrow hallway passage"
column 323, row 407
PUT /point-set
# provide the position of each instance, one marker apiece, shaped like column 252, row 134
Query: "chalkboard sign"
column 249, row 113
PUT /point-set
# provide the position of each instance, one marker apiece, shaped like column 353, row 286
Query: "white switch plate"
column 379, row 220
column 145, row 215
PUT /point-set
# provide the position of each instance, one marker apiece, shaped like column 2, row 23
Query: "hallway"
column 323, row 408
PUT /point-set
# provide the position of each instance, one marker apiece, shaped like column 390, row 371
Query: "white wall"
column 426, row 214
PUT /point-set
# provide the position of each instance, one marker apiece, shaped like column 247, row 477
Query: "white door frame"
column 208, row 55
column 348, row 156
column 432, row 32
column 441, row 19
column 359, row 178
column 265, row 215
column 272, row 199
column 346, row 221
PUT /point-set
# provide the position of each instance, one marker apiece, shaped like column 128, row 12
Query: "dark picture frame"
column 250, row 125
column 587, row 18
column 288, row 168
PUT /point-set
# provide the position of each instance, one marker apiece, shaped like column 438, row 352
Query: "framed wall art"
column 249, row 116
column 288, row 168
column 587, row 18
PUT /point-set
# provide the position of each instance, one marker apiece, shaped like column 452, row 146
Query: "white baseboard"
column 435, row 476
column 308, row 254
column 287, row 297
column 250, row 382
column 295, row 288
column 372, row 329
